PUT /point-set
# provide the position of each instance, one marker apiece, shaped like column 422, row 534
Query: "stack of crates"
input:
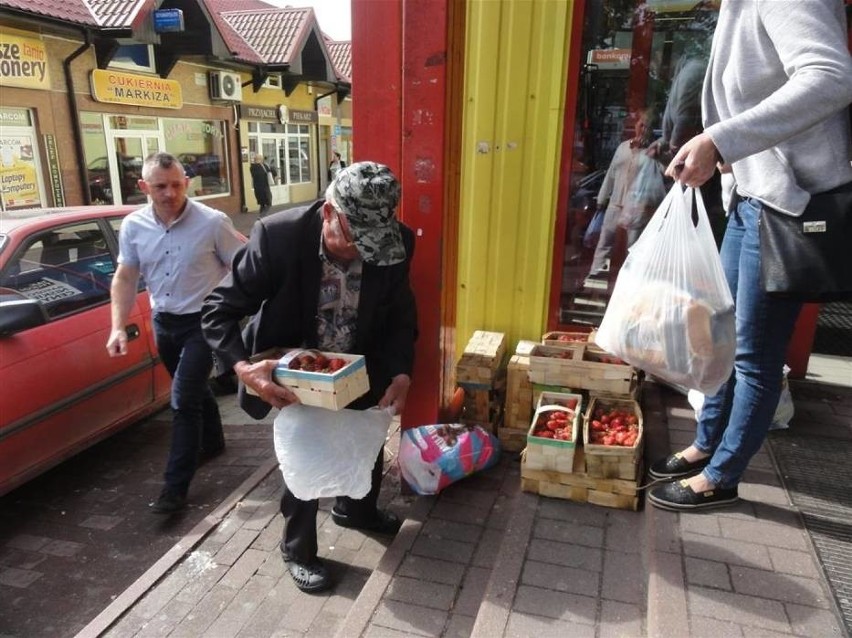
column 519, row 400
column 481, row 372
column 605, row 475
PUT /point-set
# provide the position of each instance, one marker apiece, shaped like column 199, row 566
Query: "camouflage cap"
column 368, row 193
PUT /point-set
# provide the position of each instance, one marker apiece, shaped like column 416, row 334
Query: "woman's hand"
column 695, row 161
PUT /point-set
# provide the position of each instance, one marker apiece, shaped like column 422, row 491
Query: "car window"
column 67, row 269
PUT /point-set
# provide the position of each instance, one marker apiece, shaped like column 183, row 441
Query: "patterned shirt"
column 337, row 314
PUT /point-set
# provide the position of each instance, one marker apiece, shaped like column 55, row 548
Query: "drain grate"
column 817, row 472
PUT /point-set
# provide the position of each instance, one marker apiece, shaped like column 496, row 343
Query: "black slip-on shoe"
column 169, row 502
column 311, row 577
column 675, row 467
column 679, row 497
column 385, row 522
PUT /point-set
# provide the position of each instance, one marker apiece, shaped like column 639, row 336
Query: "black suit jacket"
column 275, row 279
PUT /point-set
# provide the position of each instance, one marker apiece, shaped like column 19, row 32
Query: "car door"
column 162, row 382
column 61, row 390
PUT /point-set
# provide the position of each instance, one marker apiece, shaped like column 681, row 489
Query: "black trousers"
column 300, row 527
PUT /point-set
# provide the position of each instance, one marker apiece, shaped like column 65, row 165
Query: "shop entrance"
column 125, row 164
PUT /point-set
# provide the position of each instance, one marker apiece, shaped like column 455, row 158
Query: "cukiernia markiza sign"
column 138, row 90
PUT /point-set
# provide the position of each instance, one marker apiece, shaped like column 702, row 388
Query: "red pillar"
column 799, row 350
column 399, row 91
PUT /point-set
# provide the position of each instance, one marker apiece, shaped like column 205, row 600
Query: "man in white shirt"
column 182, row 249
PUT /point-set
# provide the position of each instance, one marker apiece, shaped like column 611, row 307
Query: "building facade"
column 82, row 104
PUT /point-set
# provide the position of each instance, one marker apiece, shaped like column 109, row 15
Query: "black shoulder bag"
column 809, row 258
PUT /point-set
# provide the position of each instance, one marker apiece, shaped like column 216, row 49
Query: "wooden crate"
column 482, row 358
column 612, row 461
column 538, row 388
column 573, row 340
column 579, row 373
column 580, row 487
column 334, row 390
column 519, row 394
column 511, row 439
column 551, row 454
column 483, row 404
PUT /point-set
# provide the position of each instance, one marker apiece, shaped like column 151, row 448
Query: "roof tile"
column 76, row 11
column 341, row 58
column 275, row 35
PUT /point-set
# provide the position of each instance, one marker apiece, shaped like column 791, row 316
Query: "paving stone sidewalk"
column 483, row 559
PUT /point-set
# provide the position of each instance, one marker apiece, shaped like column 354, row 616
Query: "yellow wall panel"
column 515, row 74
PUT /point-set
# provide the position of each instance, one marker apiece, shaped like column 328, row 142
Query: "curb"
column 666, row 612
column 117, row 608
column 503, row 583
column 362, row 610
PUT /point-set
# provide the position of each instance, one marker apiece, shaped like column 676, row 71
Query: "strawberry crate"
column 556, row 412
column 580, row 487
column 333, row 389
column 587, row 369
column 613, row 438
column 572, row 340
column 552, row 365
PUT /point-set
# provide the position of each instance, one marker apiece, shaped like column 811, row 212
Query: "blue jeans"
column 196, row 423
column 734, row 422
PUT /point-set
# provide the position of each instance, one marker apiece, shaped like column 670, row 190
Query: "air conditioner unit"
column 226, row 86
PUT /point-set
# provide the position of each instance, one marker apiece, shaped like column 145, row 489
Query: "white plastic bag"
column 784, row 411
column 671, row 312
column 325, row 453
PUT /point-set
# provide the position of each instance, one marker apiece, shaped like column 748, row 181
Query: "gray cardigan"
column 775, row 98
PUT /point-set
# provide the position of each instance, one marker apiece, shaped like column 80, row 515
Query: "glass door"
column 126, row 165
column 635, row 98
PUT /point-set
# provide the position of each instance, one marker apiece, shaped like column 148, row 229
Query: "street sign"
column 168, row 21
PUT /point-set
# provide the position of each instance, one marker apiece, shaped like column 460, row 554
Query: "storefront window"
column 299, row 153
column 116, row 146
column 286, row 147
column 135, row 57
column 97, row 162
column 200, row 146
column 20, row 177
column 637, row 97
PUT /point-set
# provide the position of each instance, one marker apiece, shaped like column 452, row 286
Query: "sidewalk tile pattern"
column 483, row 559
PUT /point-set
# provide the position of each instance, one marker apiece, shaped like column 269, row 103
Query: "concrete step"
column 484, row 559
column 432, row 578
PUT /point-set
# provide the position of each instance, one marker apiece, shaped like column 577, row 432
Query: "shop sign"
column 53, row 168
column 138, row 90
column 23, row 62
column 18, row 183
column 610, row 58
column 263, row 113
column 168, row 21
column 302, row 117
column 14, row 117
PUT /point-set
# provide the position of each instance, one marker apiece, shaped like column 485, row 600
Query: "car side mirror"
column 20, row 314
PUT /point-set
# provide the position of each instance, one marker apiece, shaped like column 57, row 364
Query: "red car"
column 61, row 391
